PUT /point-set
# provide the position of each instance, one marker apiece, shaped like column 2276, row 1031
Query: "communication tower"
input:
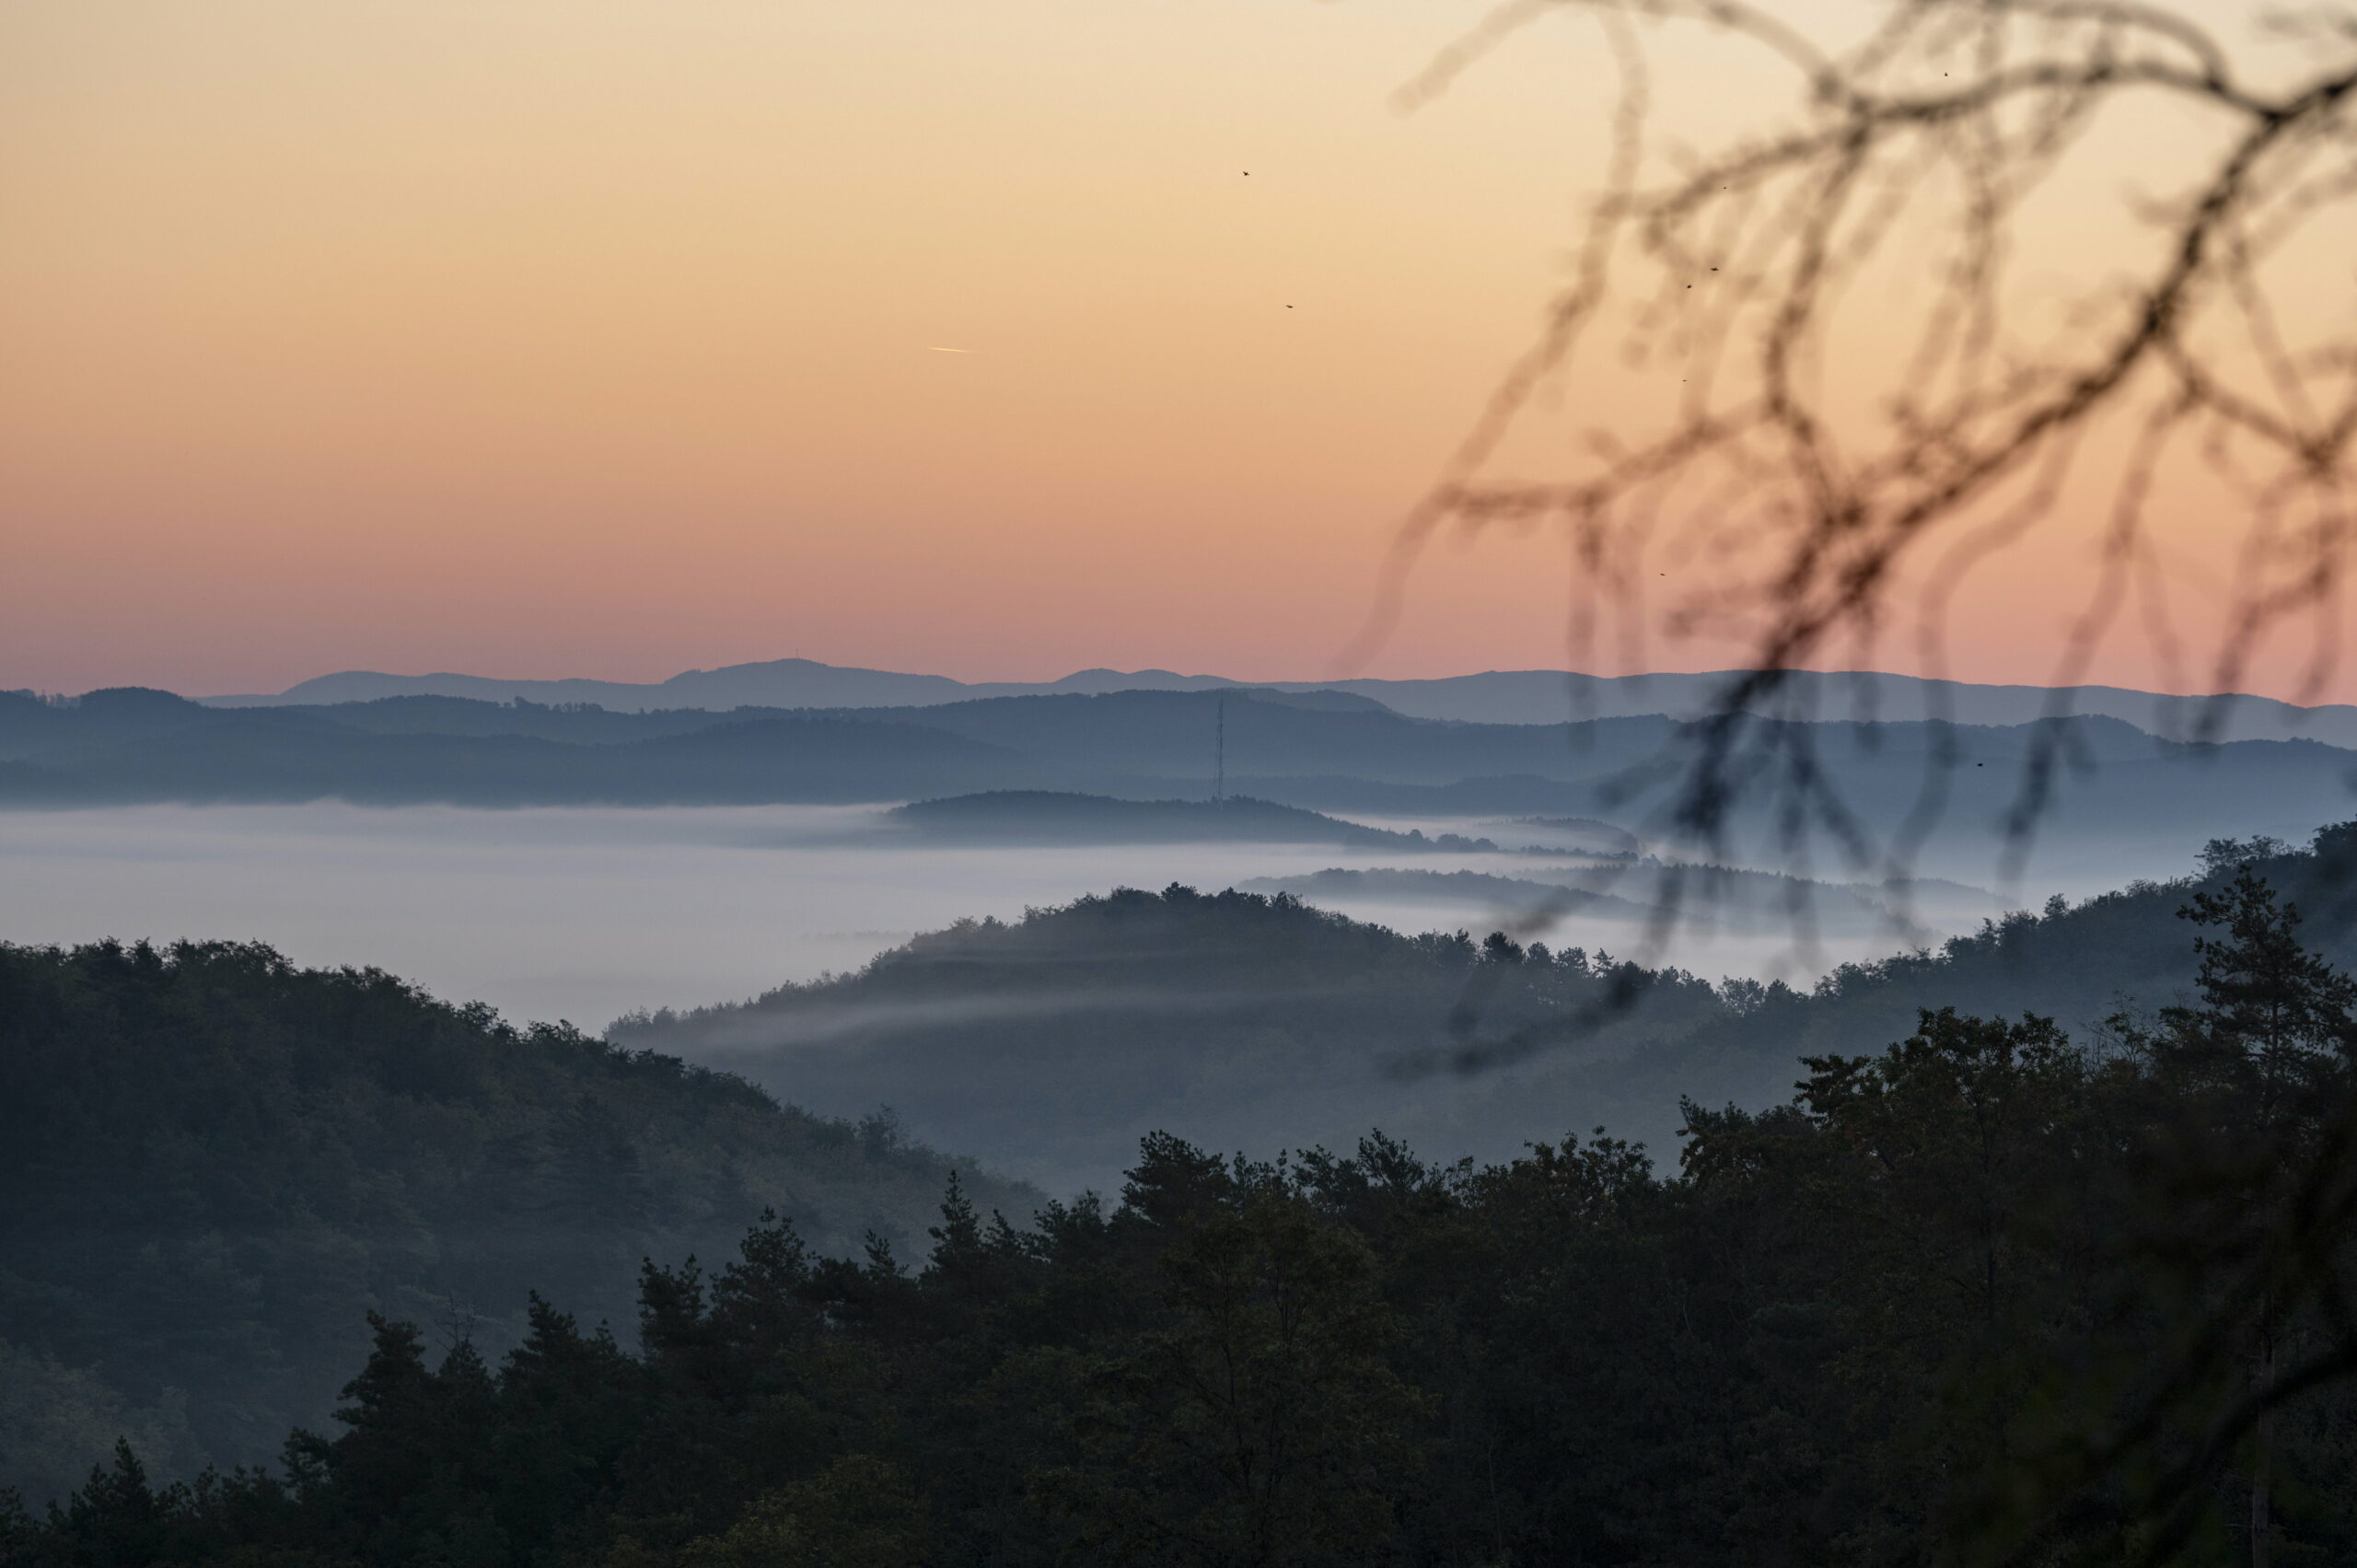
column 1219, row 752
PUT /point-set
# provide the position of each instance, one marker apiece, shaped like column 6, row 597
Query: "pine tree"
column 2282, row 1022
column 2263, row 992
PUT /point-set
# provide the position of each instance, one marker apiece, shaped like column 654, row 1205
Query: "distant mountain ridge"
column 1521, row 696
column 1338, row 753
column 774, row 683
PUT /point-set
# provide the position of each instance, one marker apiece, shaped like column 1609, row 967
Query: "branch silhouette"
column 1810, row 525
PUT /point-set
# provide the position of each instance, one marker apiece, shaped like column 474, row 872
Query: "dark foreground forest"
column 1990, row 1294
column 213, row 1163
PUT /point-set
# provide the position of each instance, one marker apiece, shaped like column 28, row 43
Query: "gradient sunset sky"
column 575, row 337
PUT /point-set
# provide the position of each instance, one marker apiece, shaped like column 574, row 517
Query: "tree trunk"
column 2259, row 1465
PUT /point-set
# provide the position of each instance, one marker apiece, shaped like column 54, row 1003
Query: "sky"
column 995, row 338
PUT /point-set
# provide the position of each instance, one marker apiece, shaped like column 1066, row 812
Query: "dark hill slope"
column 1050, row 1045
column 577, row 723
column 1240, row 1021
column 244, row 757
column 212, row 1163
column 2124, row 951
column 30, row 726
column 1155, row 734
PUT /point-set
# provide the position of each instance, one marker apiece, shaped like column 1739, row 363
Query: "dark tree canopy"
column 1988, row 1295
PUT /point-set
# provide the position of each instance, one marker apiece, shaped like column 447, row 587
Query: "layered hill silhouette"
column 1517, row 696
column 211, row 1161
column 1318, row 752
column 1240, row 1020
column 135, row 743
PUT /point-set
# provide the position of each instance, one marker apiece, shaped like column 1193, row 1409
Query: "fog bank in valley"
column 586, row 914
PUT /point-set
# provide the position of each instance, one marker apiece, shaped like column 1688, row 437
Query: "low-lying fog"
column 585, row 913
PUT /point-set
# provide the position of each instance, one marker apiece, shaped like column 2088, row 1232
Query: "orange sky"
column 586, row 337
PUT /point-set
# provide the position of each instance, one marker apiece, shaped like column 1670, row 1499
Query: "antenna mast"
column 1219, row 752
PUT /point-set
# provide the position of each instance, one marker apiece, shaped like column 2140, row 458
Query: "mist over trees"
column 1046, row 1047
column 1989, row 1292
column 213, row 1163
column 2047, row 1256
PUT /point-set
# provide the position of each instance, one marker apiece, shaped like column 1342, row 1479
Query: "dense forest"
column 1048, row 1046
column 213, row 1163
column 1991, row 1293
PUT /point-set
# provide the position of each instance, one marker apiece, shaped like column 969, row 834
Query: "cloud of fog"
column 718, row 1040
column 588, row 913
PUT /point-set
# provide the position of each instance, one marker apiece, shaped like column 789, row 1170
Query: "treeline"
column 213, row 1163
column 1991, row 1294
column 1047, row 1046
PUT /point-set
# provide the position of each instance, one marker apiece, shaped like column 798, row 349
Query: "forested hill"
column 1053, row 1044
column 214, row 1164
column 1047, row 1047
column 2127, row 953
column 1978, row 1297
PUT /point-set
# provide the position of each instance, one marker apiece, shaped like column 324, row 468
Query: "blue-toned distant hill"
column 1054, row 817
column 773, row 683
column 130, row 744
column 2117, row 788
column 1507, row 696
